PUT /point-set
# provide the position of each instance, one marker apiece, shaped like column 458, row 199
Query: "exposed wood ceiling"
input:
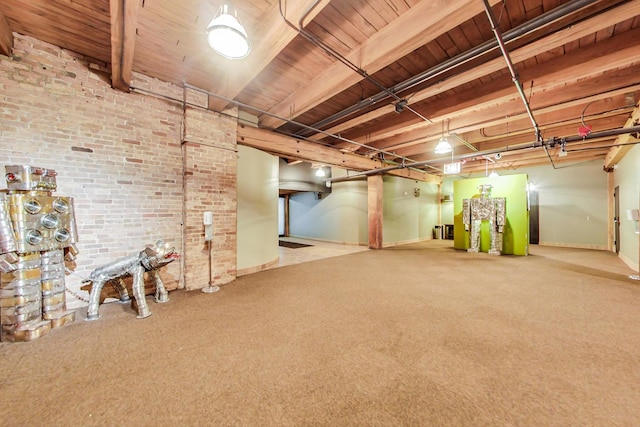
column 373, row 84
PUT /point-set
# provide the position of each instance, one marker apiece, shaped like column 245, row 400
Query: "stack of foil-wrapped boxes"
column 37, row 235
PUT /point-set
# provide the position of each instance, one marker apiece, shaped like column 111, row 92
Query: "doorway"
column 534, row 220
column 616, row 218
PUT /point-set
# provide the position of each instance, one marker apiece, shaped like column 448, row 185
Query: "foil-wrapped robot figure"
column 486, row 208
column 149, row 260
column 37, row 234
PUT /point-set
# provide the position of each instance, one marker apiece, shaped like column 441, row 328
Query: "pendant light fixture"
column 226, row 35
column 443, row 146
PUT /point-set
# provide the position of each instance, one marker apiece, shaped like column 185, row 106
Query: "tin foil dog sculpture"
column 150, row 260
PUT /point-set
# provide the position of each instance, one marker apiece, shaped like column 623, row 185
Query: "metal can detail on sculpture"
column 45, row 228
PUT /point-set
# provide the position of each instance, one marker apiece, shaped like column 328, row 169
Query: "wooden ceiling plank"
column 271, row 39
column 62, row 25
column 95, row 10
column 286, row 146
column 124, row 18
column 557, row 39
column 394, row 41
column 6, row 36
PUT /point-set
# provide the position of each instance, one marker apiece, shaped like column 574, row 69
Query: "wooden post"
column 374, row 186
column 286, row 215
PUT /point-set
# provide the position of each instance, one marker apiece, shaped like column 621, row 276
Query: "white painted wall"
column 627, row 177
column 573, row 204
column 407, row 218
column 257, row 208
column 340, row 216
column 446, row 208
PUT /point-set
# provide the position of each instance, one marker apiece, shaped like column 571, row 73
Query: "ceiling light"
column 226, row 35
column 320, row 172
column 443, row 146
column 493, row 174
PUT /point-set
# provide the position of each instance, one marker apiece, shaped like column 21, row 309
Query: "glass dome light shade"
column 227, row 36
column 443, row 146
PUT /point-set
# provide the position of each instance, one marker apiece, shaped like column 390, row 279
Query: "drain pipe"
column 512, row 69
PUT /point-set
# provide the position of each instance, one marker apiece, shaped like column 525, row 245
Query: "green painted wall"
column 515, row 238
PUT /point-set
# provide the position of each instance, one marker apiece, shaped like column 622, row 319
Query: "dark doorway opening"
column 616, row 218
column 534, row 220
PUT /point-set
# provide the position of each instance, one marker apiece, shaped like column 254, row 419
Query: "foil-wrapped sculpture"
column 149, row 260
column 486, row 208
column 37, row 235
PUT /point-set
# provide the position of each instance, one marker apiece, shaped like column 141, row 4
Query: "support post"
column 374, row 191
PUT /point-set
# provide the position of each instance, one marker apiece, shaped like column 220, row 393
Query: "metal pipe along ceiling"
column 332, row 52
column 511, row 67
column 526, row 146
column 523, row 29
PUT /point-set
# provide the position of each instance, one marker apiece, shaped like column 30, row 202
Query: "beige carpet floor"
column 416, row 335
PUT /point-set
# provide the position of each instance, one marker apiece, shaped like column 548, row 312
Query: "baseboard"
column 315, row 239
column 256, row 268
column 575, row 246
column 405, row 242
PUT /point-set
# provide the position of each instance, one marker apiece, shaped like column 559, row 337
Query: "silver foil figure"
column 486, row 208
column 149, row 260
column 37, row 235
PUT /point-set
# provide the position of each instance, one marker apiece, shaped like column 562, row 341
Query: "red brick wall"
column 121, row 156
column 210, row 177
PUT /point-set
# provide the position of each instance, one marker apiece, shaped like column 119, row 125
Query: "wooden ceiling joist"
column 285, row 146
column 623, row 142
column 409, row 148
column 124, row 18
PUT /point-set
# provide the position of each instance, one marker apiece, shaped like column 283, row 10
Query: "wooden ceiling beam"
column 282, row 145
column 545, row 44
column 608, row 85
column 273, row 36
column 563, row 115
column 124, row 18
column 616, row 154
column 604, row 121
column 6, row 36
column 540, row 158
column 403, row 35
